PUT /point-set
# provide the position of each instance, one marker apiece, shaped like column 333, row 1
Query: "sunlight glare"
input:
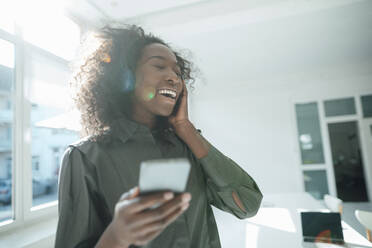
column 51, row 95
column 45, row 25
column 149, row 93
column 7, row 54
column 69, row 120
column 251, row 236
column 277, row 218
column 7, row 17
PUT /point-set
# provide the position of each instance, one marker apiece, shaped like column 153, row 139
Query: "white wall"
column 255, row 126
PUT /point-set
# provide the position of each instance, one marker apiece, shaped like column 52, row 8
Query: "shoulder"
column 78, row 150
column 91, row 150
column 86, row 146
column 83, row 143
column 76, row 168
column 76, row 158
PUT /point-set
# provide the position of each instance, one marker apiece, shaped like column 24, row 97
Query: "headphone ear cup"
column 128, row 80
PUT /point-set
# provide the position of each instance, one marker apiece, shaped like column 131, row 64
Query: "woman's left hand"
column 185, row 129
column 180, row 116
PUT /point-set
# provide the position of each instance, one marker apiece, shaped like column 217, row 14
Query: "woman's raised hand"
column 136, row 223
column 180, row 113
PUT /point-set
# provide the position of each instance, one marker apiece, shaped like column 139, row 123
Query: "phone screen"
column 164, row 175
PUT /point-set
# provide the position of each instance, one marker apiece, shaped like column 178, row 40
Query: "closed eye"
column 160, row 67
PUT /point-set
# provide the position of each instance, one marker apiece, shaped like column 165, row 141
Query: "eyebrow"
column 159, row 57
column 155, row 57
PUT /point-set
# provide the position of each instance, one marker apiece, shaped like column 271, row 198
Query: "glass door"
column 367, row 144
column 347, row 161
column 335, row 141
column 310, row 142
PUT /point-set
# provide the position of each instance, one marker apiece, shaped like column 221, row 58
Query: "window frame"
column 16, row 149
column 24, row 213
column 327, row 166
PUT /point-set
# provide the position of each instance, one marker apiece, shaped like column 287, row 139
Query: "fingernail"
column 168, row 195
column 186, row 197
column 184, row 206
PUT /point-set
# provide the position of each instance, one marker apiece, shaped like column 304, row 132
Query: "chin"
column 165, row 112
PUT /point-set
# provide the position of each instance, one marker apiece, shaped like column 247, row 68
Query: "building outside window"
column 6, row 127
column 34, row 75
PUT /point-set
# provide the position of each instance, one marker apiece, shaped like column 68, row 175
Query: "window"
column 6, row 128
column 8, row 104
column 41, row 87
column 316, row 183
column 35, row 163
column 309, row 135
column 50, row 35
column 338, row 107
column 367, row 106
column 342, row 174
column 48, row 93
column 7, row 20
column 9, row 133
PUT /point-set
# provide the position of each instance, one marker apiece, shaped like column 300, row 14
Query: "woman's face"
column 158, row 82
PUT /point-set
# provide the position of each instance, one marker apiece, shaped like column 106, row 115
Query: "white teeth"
column 169, row 92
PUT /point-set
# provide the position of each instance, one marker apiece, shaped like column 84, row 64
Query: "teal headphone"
column 128, row 79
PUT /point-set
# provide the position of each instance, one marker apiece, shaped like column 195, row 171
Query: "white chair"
column 365, row 218
column 333, row 203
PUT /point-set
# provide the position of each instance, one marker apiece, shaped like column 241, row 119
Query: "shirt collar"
column 125, row 128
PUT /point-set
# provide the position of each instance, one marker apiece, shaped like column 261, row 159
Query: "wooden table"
column 278, row 224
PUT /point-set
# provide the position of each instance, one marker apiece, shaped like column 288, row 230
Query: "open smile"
column 169, row 93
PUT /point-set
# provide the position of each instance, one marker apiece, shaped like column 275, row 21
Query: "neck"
column 141, row 116
column 148, row 121
column 151, row 121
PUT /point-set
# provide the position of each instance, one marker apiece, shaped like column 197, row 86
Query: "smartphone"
column 164, row 175
column 178, row 103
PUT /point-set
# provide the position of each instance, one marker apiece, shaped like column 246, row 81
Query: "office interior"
column 284, row 87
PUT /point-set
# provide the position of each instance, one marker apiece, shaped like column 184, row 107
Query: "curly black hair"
column 104, row 59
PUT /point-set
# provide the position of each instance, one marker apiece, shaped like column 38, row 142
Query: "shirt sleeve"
column 223, row 177
column 79, row 223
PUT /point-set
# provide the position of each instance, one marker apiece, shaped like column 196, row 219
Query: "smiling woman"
column 110, row 63
column 157, row 74
column 132, row 95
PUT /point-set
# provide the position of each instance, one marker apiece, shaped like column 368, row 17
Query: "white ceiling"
column 242, row 41
column 124, row 9
column 309, row 43
column 99, row 12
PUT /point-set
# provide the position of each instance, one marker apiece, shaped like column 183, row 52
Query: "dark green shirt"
column 93, row 177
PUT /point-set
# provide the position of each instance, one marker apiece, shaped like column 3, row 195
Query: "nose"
column 173, row 78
